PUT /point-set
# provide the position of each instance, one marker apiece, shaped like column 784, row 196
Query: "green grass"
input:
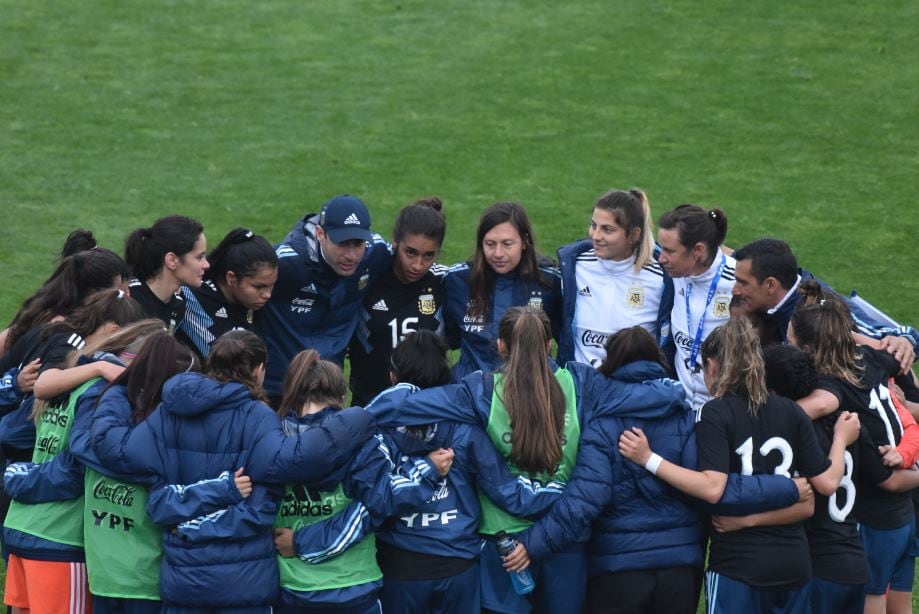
column 799, row 120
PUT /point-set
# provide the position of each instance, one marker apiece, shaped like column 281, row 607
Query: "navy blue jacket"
column 202, row 429
column 311, row 305
column 567, row 258
column 476, row 337
column 639, row 522
column 447, row 524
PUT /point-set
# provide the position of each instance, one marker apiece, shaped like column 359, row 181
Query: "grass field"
column 800, row 120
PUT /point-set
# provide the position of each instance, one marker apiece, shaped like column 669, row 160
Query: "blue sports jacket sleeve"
column 313, row 453
column 59, row 479
column 388, row 487
column 516, row 495
column 172, row 504
column 588, row 491
column 321, row 541
column 10, row 394
column 404, row 404
column 119, row 446
column 252, row 516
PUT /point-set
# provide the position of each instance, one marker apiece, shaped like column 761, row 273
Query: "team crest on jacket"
column 635, row 297
column 721, row 308
column 362, row 282
column 426, row 304
column 535, row 301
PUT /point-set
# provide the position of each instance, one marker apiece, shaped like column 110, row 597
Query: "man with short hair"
column 326, row 264
column 766, row 281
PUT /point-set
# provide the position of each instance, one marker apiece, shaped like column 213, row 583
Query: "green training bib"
column 56, row 521
column 357, row 565
column 494, row 519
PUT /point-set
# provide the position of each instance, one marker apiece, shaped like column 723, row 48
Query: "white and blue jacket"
column 311, row 305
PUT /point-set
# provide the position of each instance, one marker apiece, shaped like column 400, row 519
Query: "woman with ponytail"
column 532, row 411
column 505, row 271
column 690, row 238
column 163, row 258
column 857, row 378
column 341, row 571
column 217, row 424
column 611, row 280
column 44, row 528
column 243, row 271
column 744, row 429
column 408, row 297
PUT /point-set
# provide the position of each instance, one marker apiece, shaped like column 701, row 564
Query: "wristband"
column 654, row 461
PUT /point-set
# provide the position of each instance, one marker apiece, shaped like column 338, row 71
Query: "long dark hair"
column 421, row 359
column 630, row 345
column 145, row 248
column 481, row 275
column 242, row 252
column 75, row 278
column 533, row 398
column 79, row 240
column 99, row 308
column 697, row 225
column 159, row 358
column 310, row 379
column 234, row 357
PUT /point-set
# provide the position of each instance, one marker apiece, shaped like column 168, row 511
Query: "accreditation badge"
column 721, row 307
column 635, row 297
column 426, row 304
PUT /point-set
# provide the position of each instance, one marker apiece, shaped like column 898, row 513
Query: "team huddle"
column 176, row 437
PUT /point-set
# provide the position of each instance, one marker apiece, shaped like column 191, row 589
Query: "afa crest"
column 362, row 282
column 721, row 307
column 635, row 297
column 426, row 304
column 535, row 302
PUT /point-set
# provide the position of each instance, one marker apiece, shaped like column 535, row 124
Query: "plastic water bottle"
column 521, row 580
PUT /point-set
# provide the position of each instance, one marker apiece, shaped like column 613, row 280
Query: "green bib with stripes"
column 494, row 519
column 56, row 521
column 302, row 507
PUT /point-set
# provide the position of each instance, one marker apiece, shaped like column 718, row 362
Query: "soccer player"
column 690, row 238
column 162, row 258
column 612, row 280
column 243, row 271
column 505, row 271
column 326, row 265
column 406, row 298
column 745, row 430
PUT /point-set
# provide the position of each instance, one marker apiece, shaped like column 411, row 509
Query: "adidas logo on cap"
column 585, row 291
column 380, row 305
column 352, row 219
column 221, row 313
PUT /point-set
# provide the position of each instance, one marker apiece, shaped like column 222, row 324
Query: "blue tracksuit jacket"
column 311, row 305
column 475, row 337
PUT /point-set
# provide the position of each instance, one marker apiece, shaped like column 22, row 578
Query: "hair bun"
column 434, row 202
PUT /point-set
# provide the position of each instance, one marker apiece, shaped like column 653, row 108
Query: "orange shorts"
column 47, row 587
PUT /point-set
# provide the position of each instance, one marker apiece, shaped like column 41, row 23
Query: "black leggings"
column 668, row 590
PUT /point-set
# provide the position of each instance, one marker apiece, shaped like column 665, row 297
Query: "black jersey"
column 170, row 313
column 391, row 310
column 208, row 315
column 780, row 439
column 875, row 507
column 836, row 548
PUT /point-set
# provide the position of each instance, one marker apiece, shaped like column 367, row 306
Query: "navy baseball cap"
column 344, row 218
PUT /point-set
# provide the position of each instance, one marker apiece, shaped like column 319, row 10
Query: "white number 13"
column 745, row 451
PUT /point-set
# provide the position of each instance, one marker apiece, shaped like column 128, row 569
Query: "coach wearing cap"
column 326, row 263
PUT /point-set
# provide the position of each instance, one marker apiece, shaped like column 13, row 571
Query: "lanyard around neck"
column 712, row 288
